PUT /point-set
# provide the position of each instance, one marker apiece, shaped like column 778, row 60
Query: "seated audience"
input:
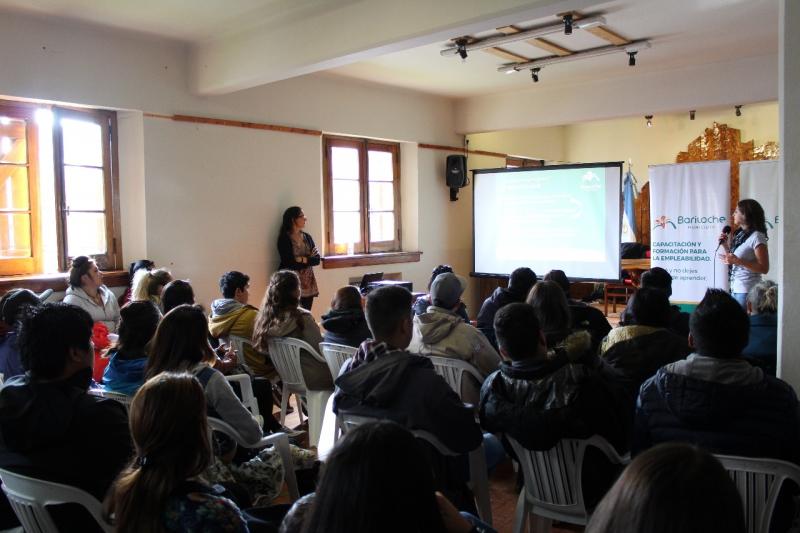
column 176, row 292
column 583, row 315
column 555, row 322
column 162, row 489
column 145, row 264
column 128, row 357
column 86, row 290
column 762, row 306
column 716, row 399
column 281, row 316
column 421, row 304
column 233, row 315
column 181, row 345
column 520, row 284
column 658, row 278
column 363, row 461
column 148, row 284
column 441, row 332
column 345, row 322
column 13, row 305
column 636, row 350
column 672, row 488
column 540, row 400
column 50, row 427
column 383, row 380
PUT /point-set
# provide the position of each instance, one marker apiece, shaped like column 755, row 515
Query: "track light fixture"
column 629, row 48
column 461, row 48
column 649, row 119
column 691, row 114
column 567, row 24
column 535, row 74
column 738, row 110
column 632, row 58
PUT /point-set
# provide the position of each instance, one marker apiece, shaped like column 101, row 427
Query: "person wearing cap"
column 441, row 332
column 520, row 284
column 12, row 306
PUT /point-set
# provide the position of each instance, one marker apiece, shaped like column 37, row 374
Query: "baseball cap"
column 447, row 289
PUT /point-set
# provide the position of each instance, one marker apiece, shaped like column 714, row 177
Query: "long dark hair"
column 138, row 323
column 169, row 429
column 552, row 309
column 181, row 341
column 288, row 219
column 280, row 299
column 175, row 293
column 353, row 495
column 753, row 214
column 671, row 488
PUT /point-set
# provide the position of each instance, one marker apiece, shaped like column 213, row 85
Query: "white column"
column 789, row 97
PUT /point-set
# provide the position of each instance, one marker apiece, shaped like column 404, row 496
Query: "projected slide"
column 565, row 217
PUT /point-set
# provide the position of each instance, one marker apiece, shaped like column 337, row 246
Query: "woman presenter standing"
column 298, row 253
column 746, row 249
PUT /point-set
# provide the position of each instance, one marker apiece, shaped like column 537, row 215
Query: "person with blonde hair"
column 161, row 489
column 762, row 306
column 148, row 284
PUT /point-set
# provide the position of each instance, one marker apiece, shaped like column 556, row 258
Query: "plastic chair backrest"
column 335, row 355
column 29, row 498
column 124, row 399
column 285, row 355
column 553, row 477
column 453, row 370
column 759, row 481
column 279, row 440
column 246, row 390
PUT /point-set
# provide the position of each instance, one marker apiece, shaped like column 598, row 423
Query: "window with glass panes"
column 362, row 196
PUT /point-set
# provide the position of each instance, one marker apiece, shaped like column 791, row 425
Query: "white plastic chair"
column 453, row 370
column 246, row 390
column 29, row 498
column 279, row 440
column 124, row 399
column 335, row 355
column 759, row 481
column 553, row 489
column 285, row 355
column 478, row 476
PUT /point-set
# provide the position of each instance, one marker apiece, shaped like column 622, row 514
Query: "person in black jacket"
column 520, row 284
column 345, row 323
column 582, row 315
column 299, row 253
column 50, row 427
column 714, row 398
column 658, row 278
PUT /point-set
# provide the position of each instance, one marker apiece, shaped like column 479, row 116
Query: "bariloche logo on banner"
column 694, row 222
column 662, row 221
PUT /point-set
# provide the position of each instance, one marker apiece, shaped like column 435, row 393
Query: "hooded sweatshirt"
column 724, row 405
column 316, row 373
column 499, row 298
column 442, row 333
column 229, row 317
column 108, row 313
column 348, row 327
column 405, row 388
column 124, row 374
column 59, row 432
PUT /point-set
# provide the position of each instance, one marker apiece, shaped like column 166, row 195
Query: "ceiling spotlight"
column 649, row 119
column 738, row 110
column 535, row 74
column 461, row 47
column 691, row 114
column 567, row 24
column 632, row 58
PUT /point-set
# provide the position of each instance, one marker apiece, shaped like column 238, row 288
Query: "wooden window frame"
column 365, row 247
column 32, row 264
column 107, row 120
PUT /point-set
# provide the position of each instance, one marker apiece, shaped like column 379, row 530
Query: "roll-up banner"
column 689, row 204
column 759, row 180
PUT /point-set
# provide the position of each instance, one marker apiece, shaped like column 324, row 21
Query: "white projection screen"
column 566, row 217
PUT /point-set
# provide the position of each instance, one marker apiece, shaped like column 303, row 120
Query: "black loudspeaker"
column 456, row 171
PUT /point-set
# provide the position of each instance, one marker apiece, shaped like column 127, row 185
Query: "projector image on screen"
column 564, row 217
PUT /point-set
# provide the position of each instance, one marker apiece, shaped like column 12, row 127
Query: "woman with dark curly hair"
column 299, row 253
column 280, row 315
column 746, row 249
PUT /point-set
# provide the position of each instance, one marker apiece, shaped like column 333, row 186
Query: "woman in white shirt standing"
column 746, row 249
column 86, row 290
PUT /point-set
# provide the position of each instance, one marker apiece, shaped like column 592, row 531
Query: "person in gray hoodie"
column 441, row 332
column 86, row 290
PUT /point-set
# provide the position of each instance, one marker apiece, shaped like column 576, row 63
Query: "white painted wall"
column 206, row 199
